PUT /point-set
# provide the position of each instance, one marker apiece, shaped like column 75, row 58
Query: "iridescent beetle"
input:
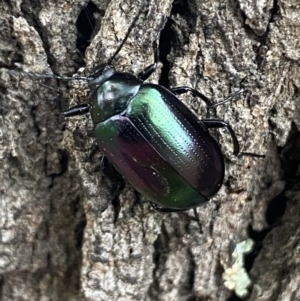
column 153, row 139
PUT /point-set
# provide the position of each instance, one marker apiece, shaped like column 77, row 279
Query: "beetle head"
column 110, row 93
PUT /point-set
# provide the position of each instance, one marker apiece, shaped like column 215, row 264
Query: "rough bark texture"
column 56, row 244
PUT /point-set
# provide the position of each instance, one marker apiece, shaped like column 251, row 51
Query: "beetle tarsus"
column 241, row 154
column 165, row 210
column 228, row 98
column 81, row 109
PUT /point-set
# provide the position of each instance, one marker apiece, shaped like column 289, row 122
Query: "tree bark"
column 56, row 242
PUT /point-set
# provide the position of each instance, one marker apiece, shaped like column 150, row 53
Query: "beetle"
column 153, row 139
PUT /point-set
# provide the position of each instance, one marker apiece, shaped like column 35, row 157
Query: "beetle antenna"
column 125, row 38
column 85, row 25
column 44, row 76
column 90, row 17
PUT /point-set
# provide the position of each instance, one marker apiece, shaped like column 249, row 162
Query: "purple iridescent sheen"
column 156, row 143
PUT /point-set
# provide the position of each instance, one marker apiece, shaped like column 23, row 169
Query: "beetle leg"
column 165, row 210
column 117, row 181
column 185, row 89
column 73, row 111
column 59, row 96
column 228, row 98
column 145, row 74
column 250, row 155
column 217, row 123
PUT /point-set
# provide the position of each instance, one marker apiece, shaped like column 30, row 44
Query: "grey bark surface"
column 56, row 243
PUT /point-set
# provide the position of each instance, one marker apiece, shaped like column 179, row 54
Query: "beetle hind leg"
column 216, row 123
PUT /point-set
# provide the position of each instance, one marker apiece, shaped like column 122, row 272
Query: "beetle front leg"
column 145, row 74
column 73, row 111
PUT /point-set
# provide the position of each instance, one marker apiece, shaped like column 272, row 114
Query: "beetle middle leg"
column 196, row 93
column 186, row 89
